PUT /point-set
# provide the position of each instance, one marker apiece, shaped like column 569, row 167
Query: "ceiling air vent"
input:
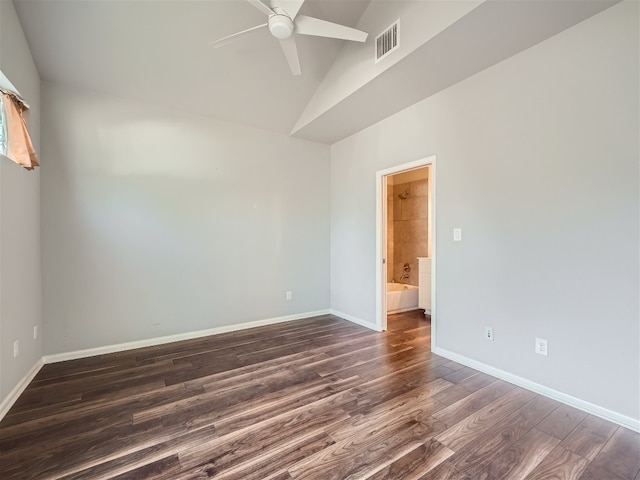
column 388, row 41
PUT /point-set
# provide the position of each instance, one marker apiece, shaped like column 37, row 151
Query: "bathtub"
column 401, row 297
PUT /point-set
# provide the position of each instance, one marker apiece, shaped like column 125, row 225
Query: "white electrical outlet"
column 541, row 346
column 457, row 234
column 289, row 295
column 16, row 348
column 35, row 332
column 488, row 333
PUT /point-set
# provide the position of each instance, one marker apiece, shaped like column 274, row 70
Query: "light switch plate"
column 457, row 234
column 488, row 333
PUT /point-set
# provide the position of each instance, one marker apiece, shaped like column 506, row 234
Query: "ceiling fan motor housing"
column 281, row 26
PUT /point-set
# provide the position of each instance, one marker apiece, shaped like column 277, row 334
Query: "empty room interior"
column 321, row 239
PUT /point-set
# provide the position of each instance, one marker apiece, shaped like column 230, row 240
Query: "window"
column 15, row 143
column 3, row 129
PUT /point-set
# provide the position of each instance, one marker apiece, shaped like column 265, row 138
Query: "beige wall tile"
column 390, row 260
column 397, row 208
column 411, row 231
column 414, row 208
column 407, row 233
column 390, row 234
column 418, row 188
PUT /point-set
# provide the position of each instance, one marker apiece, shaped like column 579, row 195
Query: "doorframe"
column 381, row 240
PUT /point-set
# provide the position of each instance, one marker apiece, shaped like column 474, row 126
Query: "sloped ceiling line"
column 141, row 50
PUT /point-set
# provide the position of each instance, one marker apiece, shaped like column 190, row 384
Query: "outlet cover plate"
column 541, row 346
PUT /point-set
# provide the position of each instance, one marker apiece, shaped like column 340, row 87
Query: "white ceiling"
column 157, row 51
column 492, row 31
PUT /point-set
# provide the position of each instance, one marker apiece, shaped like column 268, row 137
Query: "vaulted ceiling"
column 158, row 52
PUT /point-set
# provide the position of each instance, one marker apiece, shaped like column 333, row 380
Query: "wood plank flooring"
column 316, row 399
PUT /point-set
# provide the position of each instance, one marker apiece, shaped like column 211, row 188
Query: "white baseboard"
column 355, row 320
column 598, row 411
column 121, row 347
column 623, row 420
column 10, row 399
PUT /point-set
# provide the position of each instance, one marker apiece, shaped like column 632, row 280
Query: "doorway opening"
column 405, row 241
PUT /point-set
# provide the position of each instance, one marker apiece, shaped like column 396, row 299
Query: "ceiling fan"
column 284, row 21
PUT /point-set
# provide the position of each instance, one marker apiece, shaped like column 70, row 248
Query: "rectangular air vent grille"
column 388, row 41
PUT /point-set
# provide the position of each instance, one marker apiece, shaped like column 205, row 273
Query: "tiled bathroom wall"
column 409, row 231
column 390, row 233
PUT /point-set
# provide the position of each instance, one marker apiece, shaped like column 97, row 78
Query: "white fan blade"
column 235, row 36
column 292, row 7
column 321, row 28
column 291, row 53
column 261, row 6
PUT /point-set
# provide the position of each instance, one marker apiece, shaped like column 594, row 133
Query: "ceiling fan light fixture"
column 283, row 24
column 280, row 26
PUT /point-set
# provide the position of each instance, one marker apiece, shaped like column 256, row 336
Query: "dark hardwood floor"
column 315, row 399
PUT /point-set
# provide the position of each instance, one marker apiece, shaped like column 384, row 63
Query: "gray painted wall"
column 156, row 222
column 20, row 276
column 537, row 161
